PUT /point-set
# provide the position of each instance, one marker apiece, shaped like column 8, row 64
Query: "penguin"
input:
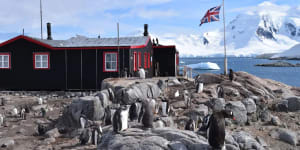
column 96, row 135
column 41, row 129
column 23, row 114
column 120, row 119
column 107, row 116
column 190, row 125
column 43, row 112
column 83, row 121
column 15, row 112
column 165, row 108
column 159, row 123
column 134, row 111
column 40, row 101
column 1, row 120
column 146, row 115
column 220, row 91
column 231, row 75
column 176, row 94
column 216, row 128
column 85, row 136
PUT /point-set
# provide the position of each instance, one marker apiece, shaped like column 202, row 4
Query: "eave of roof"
column 41, row 43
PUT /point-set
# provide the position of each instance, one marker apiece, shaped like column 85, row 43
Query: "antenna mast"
column 41, row 16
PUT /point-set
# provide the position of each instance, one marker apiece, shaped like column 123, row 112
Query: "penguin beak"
column 233, row 118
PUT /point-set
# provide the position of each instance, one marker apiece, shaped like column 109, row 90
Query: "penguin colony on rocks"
column 120, row 119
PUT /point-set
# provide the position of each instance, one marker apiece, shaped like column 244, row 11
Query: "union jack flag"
column 211, row 15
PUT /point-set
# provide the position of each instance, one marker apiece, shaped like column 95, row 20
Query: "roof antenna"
column 41, row 15
column 23, row 31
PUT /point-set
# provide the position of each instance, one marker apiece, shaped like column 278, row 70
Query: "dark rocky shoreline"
column 279, row 64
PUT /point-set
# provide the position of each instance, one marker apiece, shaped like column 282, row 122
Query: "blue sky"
column 94, row 17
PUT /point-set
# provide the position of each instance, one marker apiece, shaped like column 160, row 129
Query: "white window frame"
column 41, row 61
column 111, row 62
column 3, row 61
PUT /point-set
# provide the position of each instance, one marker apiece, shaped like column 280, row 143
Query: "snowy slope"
column 267, row 28
column 293, row 52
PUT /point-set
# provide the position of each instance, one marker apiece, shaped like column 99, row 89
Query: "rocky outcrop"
column 246, row 141
column 278, row 64
column 156, row 139
column 239, row 111
column 285, row 135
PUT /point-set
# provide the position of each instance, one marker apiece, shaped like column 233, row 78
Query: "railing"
column 188, row 72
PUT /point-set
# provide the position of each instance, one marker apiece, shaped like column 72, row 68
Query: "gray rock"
column 246, row 141
column 250, row 105
column 106, row 97
column 202, row 109
column 230, row 140
column 275, row 121
column 285, row 135
column 142, row 91
column 261, row 141
column 293, row 104
column 282, row 106
column 239, row 111
column 52, row 133
column 6, row 142
column 177, row 145
column 232, row 92
column 173, row 81
column 209, row 78
column 265, row 116
column 89, row 106
column 155, row 139
column 49, row 140
column 231, row 147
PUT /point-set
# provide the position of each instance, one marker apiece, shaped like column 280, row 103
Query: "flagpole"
column 225, row 55
column 41, row 16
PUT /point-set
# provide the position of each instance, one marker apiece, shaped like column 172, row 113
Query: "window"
column 135, row 61
column 110, row 61
column 145, row 60
column 140, row 59
column 41, row 61
column 4, row 61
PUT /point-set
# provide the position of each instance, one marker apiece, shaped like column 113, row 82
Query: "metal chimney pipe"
column 49, row 31
column 146, row 30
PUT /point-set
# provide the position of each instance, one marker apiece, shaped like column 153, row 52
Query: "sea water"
column 287, row 75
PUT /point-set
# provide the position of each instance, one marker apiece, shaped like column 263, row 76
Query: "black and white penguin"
column 83, row 121
column 134, row 111
column 85, row 136
column 220, row 91
column 190, row 125
column 23, row 114
column 231, row 75
column 216, row 129
column 43, row 112
column 107, row 116
column 120, row 119
column 146, row 115
column 96, row 135
column 165, row 107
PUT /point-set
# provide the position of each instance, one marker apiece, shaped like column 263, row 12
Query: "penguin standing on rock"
column 83, row 121
column 216, row 129
column 134, row 111
column 190, row 125
column 146, row 115
column 231, row 75
column 220, row 91
column 120, row 119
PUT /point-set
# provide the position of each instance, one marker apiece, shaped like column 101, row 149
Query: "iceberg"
column 205, row 66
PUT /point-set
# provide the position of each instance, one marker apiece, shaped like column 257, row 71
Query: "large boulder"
column 155, row 139
column 7, row 142
column 209, row 78
column 89, row 106
column 246, row 141
column 217, row 104
column 285, row 135
column 142, row 91
column 282, row 106
column 239, row 111
column 293, row 104
column 250, row 105
column 106, row 97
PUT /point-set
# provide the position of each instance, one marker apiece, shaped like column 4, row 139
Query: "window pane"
column 113, row 57
column 113, row 65
column 38, row 57
column 37, row 64
column 108, row 66
column 6, row 58
column 45, row 65
column 44, row 58
column 5, row 65
column 1, row 58
column 108, row 57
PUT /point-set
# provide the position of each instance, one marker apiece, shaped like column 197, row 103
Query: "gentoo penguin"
column 15, row 112
column 190, row 125
column 134, row 111
column 107, row 116
column 85, row 136
column 146, row 115
column 1, row 120
column 165, row 107
column 43, row 112
column 176, row 94
column 40, row 101
column 83, row 121
column 220, row 91
column 187, row 98
column 231, row 75
column 96, row 135
column 23, row 114
column 120, row 119
column 216, row 128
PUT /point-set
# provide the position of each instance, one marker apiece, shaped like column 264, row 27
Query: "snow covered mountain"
column 267, row 28
column 293, row 53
